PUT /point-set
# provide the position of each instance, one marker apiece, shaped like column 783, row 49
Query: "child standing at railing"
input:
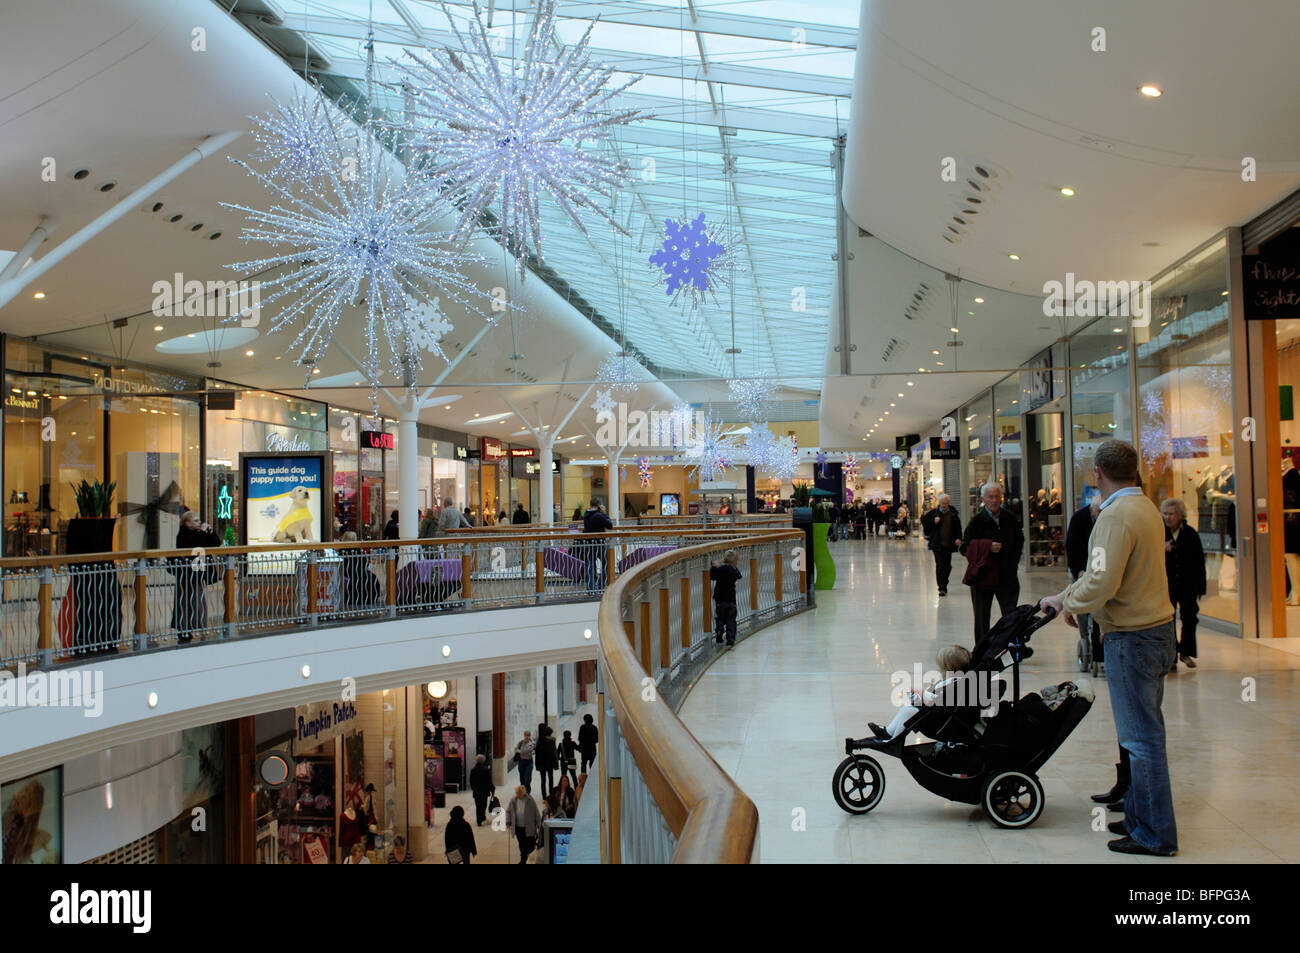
column 724, row 578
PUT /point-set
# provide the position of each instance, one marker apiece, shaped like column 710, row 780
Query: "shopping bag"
column 1228, row 573
column 455, row 857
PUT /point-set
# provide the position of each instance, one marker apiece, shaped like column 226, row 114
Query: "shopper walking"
column 481, row 786
column 1185, row 567
column 391, row 528
column 1127, row 592
column 189, row 606
column 523, row 817
column 524, row 755
column 428, row 525
column 588, row 739
column 544, row 758
column 942, row 530
column 566, row 799
column 725, row 577
column 992, row 545
column 451, row 518
column 458, row 838
column 568, row 752
column 593, row 550
column 520, row 515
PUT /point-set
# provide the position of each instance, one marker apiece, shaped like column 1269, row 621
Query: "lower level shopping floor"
column 775, row 710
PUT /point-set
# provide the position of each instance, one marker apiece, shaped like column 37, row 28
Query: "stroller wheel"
column 859, row 784
column 1013, row 799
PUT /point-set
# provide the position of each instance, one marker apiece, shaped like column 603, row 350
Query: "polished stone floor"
column 774, row 713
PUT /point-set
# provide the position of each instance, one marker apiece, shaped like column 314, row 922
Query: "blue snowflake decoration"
column 695, row 259
column 821, row 463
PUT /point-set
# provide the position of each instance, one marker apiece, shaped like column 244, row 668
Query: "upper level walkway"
column 774, row 713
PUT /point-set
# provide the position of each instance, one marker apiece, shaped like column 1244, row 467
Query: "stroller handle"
column 1038, row 623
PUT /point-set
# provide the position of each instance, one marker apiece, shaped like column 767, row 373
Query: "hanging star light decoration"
column 359, row 235
column 604, row 402
column 751, row 397
column 674, row 428
column 851, row 469
column 495, row 128
column 783, row 461
column 293, row 138
column 821, row 463
column 711, row 451
column 643, row 470
column 695, row 262
column 618, row 373
column 760, row 443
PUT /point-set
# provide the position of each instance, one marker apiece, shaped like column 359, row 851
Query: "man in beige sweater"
column 1125, row 591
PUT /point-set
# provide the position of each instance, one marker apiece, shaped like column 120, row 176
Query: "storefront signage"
column 23, row 402
column 320, row 722
column 532, row 467
column 492, row 449
column 119, row 385
column 280, row 443
column 906, row 442
column 941, row 449
column 374, row 440
column 475, row 454
column 522, row 452
column 1271, row 287
column 462, row 452
column 896, row 462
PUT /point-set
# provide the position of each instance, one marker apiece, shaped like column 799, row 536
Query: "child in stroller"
column 975, row 759
column 953, row 662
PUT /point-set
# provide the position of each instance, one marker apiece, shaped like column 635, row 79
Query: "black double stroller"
column 975, row 759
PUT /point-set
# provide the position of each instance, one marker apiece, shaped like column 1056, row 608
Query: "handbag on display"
column 455, row 856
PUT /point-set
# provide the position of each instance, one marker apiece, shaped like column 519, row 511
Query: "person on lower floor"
column 524, row 755
column 523, row 817
column 725, row 576
column 399, row 854
column 481, row 786
column 999, row 555
column 942, row 529
column 458, row 838
column 588, row 739
column 567, row 750
column 1185, row 567
column 1126, row 592
column 544, row 758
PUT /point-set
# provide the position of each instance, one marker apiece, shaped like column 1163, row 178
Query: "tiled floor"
column 774, row 713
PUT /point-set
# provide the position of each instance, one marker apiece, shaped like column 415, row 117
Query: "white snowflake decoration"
column 604, row 403
column 760, row 442
column 751, row 397
column 712, row 450
column 618, row 373
column 783, row 461
column 293, row 138
column 359, row 234
column 493, row 127
column 427, row 326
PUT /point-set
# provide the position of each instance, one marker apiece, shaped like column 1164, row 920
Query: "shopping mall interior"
column 550, row 432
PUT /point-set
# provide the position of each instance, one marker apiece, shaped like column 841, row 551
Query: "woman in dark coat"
column 459, row 835
column 189, row 612
column 1185, row 567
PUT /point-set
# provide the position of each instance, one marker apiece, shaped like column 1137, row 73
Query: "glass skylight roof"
column 756, row 87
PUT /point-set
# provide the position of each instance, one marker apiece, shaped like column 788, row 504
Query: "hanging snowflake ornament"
column 499, row 132
column 618, row 373
column 643, row 470
column 426, row 326
column 821, row 463
column 695, row 262
column 711, row 451
column 759, row 445
column 851, row 469
column 604, row 402
column 674, row 429
column 360, row 236
column 751, row 397
column 293, row 138
column 783, row 462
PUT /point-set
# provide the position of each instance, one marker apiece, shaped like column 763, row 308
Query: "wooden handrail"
column 713, row 820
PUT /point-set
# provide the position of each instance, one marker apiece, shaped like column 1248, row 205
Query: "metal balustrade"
column 663, row 798
column 64, row 609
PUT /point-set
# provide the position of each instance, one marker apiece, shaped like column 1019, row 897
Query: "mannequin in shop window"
column 1291, row 527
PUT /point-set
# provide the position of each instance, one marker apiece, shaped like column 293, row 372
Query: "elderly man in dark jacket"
column 942, row 528
column 1185, row 567
column 1006, row 540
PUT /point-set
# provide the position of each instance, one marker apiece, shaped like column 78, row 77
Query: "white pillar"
column 547, row 498
column 408, row 470
column 615, row 503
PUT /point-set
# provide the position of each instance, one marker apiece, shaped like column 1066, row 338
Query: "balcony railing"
column 65, row 609
column 663, row 798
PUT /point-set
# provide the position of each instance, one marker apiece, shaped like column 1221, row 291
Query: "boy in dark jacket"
column 588, row 739
column 724, row 579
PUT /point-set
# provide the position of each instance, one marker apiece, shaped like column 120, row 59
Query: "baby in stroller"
column 954, row 661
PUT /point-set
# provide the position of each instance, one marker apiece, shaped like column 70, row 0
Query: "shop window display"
column 976, row 427
column 1185, row 437
column 1101, row 392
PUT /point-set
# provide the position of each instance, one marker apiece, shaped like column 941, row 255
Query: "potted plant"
column 93, row 590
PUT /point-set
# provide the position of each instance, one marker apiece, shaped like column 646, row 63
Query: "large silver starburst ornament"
column 711, row 451
column 675, row 428
column 783, row 460
column 499, row 132
column 293, row 138
column 359, row 235
column 759, row 444
column 751, row 397
column 620, row 373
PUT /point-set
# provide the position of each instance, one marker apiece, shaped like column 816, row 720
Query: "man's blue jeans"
column 1136, row 666
column 526, row 774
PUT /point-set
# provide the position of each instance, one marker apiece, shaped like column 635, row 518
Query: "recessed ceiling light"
column 248, row 354
column 940, row 363
column 979, row 300
column 1224, row 293
column 315, row 370
column 157, row 327
column 1149, row 89
column 910, row 384
column 1066, row 190
column 1014, row 257
column 448, row 407
column 893, row 404
column 954, row 330
column 971, row 313
column 934, row 352
column 39, row 295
